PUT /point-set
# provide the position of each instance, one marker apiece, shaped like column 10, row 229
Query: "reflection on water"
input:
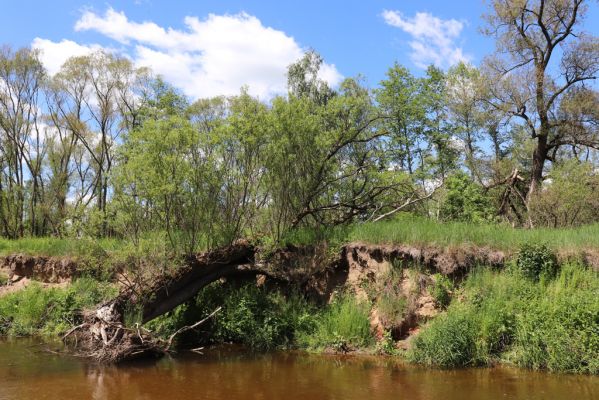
column 27, row 372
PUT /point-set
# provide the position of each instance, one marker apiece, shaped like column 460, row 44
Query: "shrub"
column 569, row 198
column 465, row 201
column 252, row 316
column 536, row 260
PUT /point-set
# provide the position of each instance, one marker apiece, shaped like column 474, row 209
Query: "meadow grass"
column 404, row 229
column 408, row 229
column 342, row 325
column 51, row 246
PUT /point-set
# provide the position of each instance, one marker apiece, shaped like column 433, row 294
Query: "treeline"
column 103, row 148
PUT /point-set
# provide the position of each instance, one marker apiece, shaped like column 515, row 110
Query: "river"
column 29, row 372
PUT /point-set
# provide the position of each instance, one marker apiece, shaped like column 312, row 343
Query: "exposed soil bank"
column 39, row 268
column 398, row 281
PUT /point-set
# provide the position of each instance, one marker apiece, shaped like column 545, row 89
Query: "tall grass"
column 343, row 325
column 408, row 229
column 404, row 229
column 36, row 310
column 50, row 246
column 504, row 316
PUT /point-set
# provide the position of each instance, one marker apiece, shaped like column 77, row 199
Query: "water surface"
column 28, row 372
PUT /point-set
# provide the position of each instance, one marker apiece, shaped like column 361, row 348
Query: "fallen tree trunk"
column 105, row 337
column 167, row 292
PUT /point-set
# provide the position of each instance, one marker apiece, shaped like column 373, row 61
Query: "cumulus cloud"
column 433, row 39
column 54, row 54
column 212, row 56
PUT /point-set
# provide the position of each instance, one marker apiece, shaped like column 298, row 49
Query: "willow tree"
column 543, row 60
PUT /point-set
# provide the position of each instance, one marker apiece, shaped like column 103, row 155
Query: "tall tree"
column 21, row 140
column 401, row 102
column 465, row 112
column 542, row 57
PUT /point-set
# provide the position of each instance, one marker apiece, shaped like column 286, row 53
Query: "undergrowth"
column 268, row 319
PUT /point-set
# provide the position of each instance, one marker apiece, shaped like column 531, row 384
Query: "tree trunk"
column 538, row 163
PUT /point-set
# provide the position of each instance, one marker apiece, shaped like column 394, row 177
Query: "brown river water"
column 28, row 372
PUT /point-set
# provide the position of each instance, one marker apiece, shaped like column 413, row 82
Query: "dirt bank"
column 39, row 268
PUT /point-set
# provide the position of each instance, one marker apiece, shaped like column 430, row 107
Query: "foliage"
column 536, row 261
column 49, row 311
column 465, row 201
column 503, row 317
column 253, row 316
column 569, row 198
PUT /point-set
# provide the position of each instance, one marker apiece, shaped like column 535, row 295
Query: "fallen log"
column 104, row 335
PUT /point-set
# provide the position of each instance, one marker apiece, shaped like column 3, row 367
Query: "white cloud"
column 212, row 56
column 54, row 54
column 433, row 39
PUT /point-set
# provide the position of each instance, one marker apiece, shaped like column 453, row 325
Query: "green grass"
column 507, row 317
column 414, row 230
column 404, row 229
column 408, row 229
column 343, row 325
column 3, row 279
column 36, row 310
column 50, row 246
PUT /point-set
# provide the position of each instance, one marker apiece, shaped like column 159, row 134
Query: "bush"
column 569, row 198
column 536, row 260
column 252, row 316
column 465, row 201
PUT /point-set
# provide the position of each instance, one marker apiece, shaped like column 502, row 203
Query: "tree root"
column 103, row 338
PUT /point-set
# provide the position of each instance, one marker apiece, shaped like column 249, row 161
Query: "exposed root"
column 105, row 339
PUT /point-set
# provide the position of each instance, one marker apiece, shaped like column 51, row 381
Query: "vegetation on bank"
column 534, row 314
column 405, row 228
column 103, row 148
column 507, row 317
column 36, row 310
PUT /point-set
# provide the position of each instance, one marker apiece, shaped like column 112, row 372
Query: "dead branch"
column 187, row 328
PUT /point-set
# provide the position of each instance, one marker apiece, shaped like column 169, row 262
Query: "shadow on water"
column 28, row 372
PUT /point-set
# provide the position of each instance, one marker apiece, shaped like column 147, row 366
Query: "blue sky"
column 251, row 42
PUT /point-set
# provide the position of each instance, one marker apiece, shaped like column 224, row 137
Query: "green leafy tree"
column 465, row 201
